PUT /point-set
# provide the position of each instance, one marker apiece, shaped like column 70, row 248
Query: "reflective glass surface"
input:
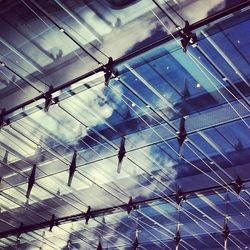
column 181, row 120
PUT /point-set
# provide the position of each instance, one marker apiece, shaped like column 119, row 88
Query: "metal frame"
column 168, row 38
column 110, row 210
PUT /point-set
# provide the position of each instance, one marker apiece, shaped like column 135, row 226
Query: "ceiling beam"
column 168, row 38
column 108, row 210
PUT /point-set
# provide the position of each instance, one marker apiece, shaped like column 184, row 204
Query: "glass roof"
column 180, row 120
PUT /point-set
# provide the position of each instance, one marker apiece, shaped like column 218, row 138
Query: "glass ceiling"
column 166, row 193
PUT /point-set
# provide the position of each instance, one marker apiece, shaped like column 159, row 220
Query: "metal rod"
column 25, row 80
column 63, row 31
column 225, row 57
column 22, row 56
column 167, row 15
column 83, row 24
column 227, row 79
